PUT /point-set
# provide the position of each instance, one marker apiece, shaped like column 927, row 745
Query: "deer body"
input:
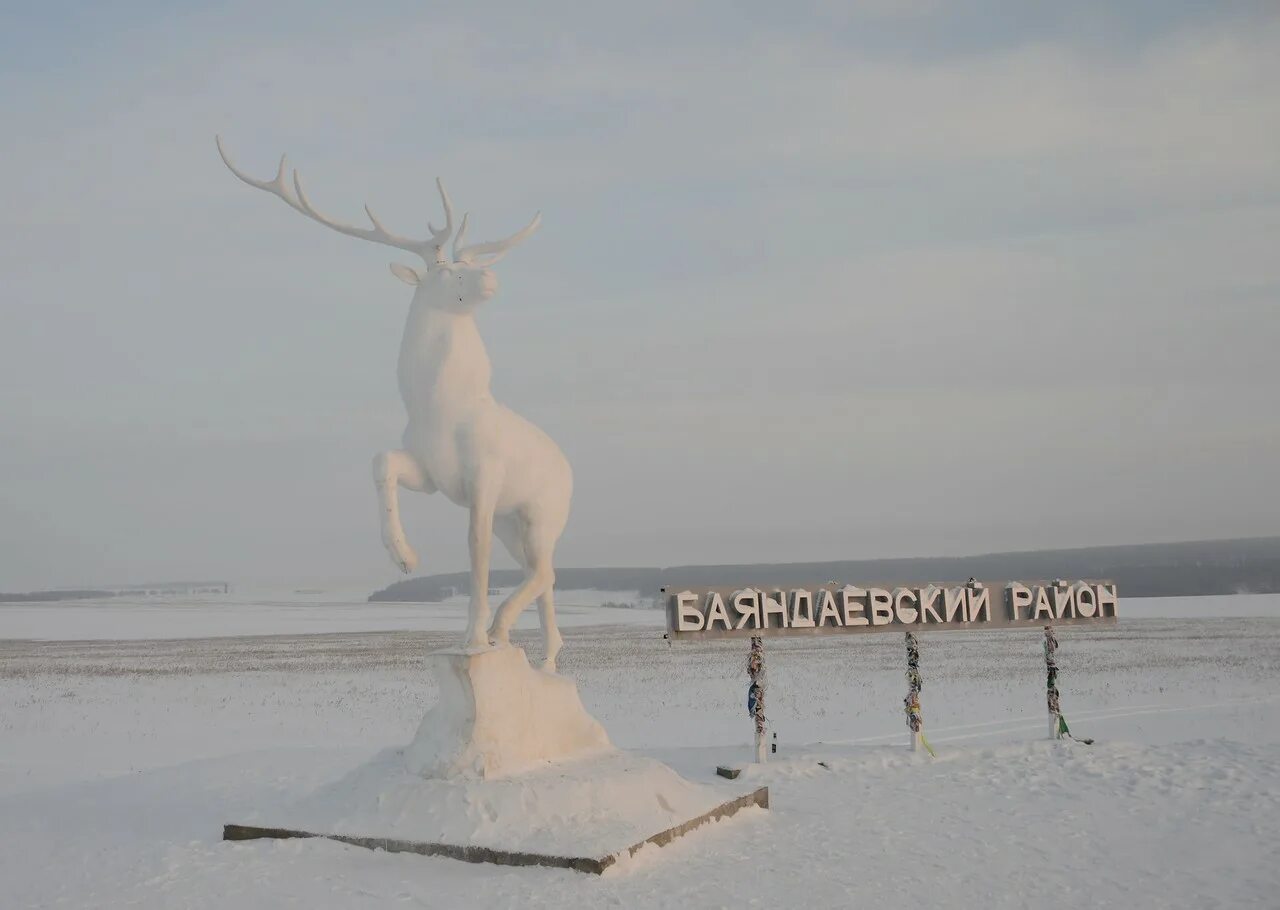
column 444, row 382
column 512, row 478
column 444, row 376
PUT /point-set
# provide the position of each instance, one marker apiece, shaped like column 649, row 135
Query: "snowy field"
column 131, row 731
column 281, row 613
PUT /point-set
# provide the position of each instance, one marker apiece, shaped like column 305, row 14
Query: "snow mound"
column 507, row 759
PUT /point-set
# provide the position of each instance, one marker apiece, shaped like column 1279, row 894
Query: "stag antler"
column 491, row 252
column 432, row 251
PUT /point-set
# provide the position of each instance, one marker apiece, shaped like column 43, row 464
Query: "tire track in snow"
column 944, row 734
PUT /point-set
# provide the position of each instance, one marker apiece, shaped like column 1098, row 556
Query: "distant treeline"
column 1142, row 570
column 45, row 596
column 177, row 587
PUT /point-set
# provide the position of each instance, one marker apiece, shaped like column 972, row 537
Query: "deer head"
column 457, row 281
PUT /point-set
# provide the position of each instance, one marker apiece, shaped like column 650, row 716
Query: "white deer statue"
column 510, row 475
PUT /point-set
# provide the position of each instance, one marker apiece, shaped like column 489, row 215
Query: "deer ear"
column 405, row 274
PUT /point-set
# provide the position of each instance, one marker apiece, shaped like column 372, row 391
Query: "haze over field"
column 868, row 279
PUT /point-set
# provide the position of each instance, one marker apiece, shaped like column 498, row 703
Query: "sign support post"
column 915, row 721
column 1051, row 683
column 755, row 694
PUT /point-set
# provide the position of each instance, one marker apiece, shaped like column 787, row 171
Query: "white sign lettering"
column 824, row 609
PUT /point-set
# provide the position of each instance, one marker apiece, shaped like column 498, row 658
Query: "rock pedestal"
column 499, row 716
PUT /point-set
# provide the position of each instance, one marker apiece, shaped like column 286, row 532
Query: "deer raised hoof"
column 401, row 553
column 392, row 470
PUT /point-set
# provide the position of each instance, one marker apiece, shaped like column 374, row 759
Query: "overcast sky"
column 815, row 280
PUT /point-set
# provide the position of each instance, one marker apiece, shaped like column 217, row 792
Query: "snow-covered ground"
column 120, row 759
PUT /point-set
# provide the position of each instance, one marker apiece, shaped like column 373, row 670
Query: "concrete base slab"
column 477, row 854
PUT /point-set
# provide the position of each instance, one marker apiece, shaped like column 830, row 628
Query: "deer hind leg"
column 510, row 530
column 484, row 498
column 550, row 631
column 392, row 469
column 539, row 579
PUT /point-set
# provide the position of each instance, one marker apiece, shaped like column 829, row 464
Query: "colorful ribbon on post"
column 1051, row 672
column 1052, row 695
column 755, row 693
column 915, row 720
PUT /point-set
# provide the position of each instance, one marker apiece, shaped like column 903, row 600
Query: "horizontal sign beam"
column 828, row 609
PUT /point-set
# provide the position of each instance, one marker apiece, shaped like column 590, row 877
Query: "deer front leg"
column 392, row 469
column 484, row 499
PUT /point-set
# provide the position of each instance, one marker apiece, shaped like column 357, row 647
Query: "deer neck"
column 444, row 369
